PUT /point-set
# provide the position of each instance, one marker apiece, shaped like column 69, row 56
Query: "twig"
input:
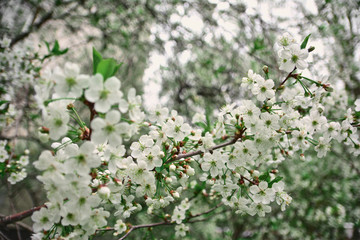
column 19, row 216
column 287, row 77
column 3, row 236
column 198, row 152
column 254, row 183
column 36, row 26
column 132, row 228
column 208, row 211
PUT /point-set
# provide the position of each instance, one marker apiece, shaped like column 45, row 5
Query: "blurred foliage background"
column 193, row 54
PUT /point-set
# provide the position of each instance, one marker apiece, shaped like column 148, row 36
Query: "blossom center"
column 104, row 93
column 294, row 58
column 58, row 122
column 70, row 81
column 109, row 129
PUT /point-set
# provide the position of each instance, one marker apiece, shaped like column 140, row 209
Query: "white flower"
column 70, row 216
column 213, row 162
column 178, row 215
column 250, row 80
column 68, row 81
column 119, row 227
column 152, row 157
column 133, row 106
column 331, row 130
column 285, row 40
column 138, row 148
column 245, row 152
column 262, row 194
column 103, row 94
column 263, row 89
column 357, row 105
column 271, row 121
column 57, row 120
column 292, row 57
column 43, row 220
column 181, row 230
column 24, row 160
column 249, row 111
column 176, row 128
column 259, row 208
column 108, row 129
column 159, row 114
column 323, row 147
column 17, row 176
column 3, row 155
column 83, row 158
column 314, row 121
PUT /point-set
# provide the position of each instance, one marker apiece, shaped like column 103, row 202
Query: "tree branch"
column 36, row 26
column 190, row 154
column 287, row 77
column 19, row 216
column 132, row 228
column 208, row 211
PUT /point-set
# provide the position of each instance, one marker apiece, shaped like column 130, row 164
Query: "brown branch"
column 19, row 216
column 35, row 27
column 198, row 152
column 132, row 228
column 254, row 183
column 208, row 211
column 3, row 236
column 287, row 77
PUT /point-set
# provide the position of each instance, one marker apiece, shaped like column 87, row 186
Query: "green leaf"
column 55, row 51
column 221, row 69
column 108, row 67
column 304, row 43
column 275, row 180
column 3, row 102
column 265, row 177
column 47, row 46
column 96, row 60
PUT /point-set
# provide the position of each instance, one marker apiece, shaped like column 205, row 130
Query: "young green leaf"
column 107, row 67
column 96, row 60
column 275, row 180
column 304, row 43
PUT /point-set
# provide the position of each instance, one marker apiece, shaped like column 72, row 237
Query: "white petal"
column 112, row 117
column 301, row 64
column 102, row 105
column 97, row 123
column 263, row 185
column 92, row 95
column 98, row 137
column 87, row 147
column 112, row 84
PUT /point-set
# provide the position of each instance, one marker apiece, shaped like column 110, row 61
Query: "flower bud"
column 172, row 167
column 168, row 180
column 104, row 192
column 310, row 49
column 265, row 69
column 190, row 171
column 175, row 194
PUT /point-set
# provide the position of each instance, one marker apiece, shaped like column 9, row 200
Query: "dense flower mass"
column 126, row 160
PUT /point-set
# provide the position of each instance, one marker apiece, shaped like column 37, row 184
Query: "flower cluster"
column 125, row 159
column 11, row 164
